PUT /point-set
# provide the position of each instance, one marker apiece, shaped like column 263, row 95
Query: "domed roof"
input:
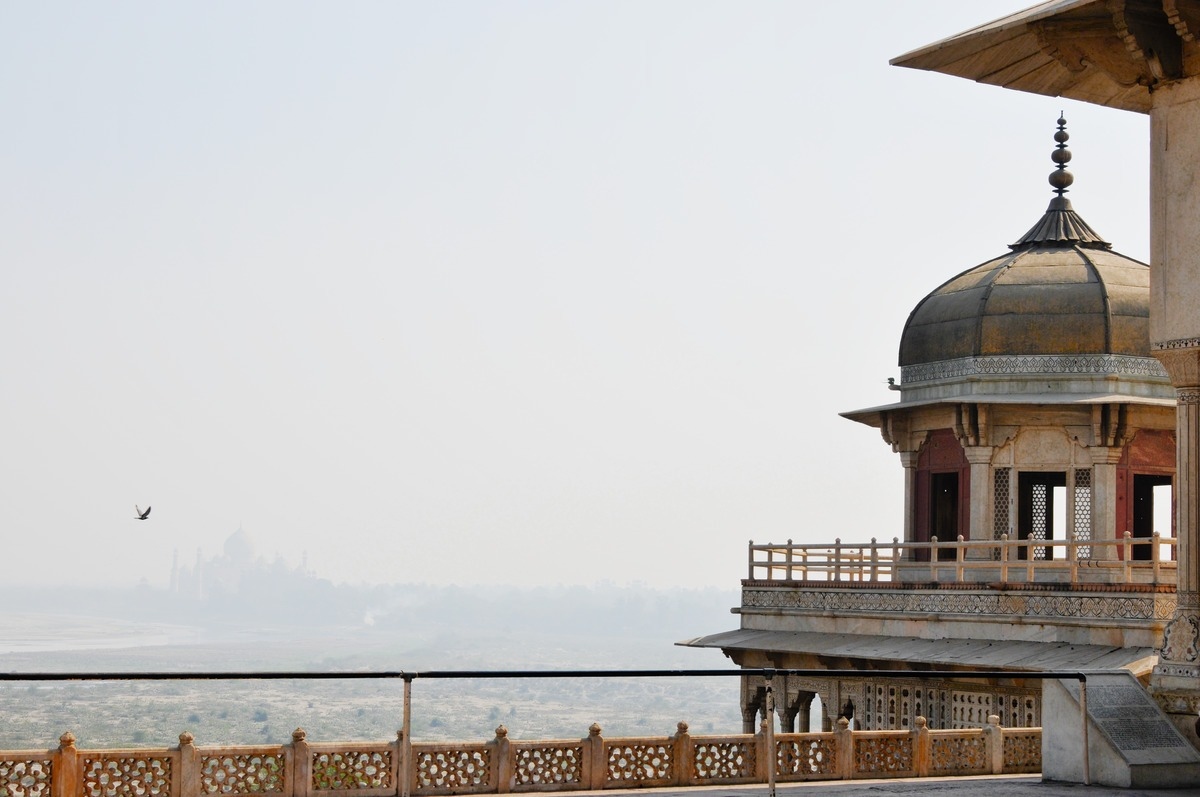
column 1060, row 291
column 1059, row 320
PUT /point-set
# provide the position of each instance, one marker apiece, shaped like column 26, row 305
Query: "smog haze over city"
column 521, row 293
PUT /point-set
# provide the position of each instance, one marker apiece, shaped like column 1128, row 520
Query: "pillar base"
column 1175, row 681
column 1182, row 707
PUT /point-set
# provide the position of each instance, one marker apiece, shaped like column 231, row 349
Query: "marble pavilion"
column 1037, row 436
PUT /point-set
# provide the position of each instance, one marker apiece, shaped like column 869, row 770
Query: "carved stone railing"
column 1130, row 560
column 500, row 766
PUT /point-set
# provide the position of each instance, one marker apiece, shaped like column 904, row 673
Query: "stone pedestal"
column 1130, row 743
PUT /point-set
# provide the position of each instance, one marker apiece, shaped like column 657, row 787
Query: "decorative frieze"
column 1118, row 606
column 1182, row 343
column 1188, row 395
column 1035, row 364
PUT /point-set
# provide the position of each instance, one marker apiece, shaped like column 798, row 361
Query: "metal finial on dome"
column 1060, row 179
column 1060, row 225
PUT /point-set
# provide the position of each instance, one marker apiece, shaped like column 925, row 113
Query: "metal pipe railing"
column 767, row 673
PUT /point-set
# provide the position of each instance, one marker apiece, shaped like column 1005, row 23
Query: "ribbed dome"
column 1061, row 291
column 1043, row 299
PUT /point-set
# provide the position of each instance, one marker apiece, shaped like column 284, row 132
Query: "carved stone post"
column 65, row 777
column 762, row 752
column 188, row 782
column 399, row 751
column 596, row 772
column 845, row 749
column 302, row 763
column 994, row 736
column 681, row 761
column 922, row 744
column 504, row 764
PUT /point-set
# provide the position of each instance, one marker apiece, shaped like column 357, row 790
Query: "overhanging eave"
column 1079, row 49
column 980, row 654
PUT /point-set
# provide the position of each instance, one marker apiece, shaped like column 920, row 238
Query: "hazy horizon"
column 463, row 292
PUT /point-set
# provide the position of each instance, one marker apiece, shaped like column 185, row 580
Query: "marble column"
column 804, row 716
column 1175, row 341
column 1179, row 662
column 981, row 507
column 1105, row 525
column 909, row 460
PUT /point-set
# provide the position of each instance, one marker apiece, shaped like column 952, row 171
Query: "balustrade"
column 1129, row 560
column 499, row 766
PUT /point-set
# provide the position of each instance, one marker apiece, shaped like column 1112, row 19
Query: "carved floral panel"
column 349, row 770
column 548, row 765
column 454, row 769
column 958, row 754
column 1022, row 752
column 127, row 776
column 249, row 773
column 723, row 760
column 807, row 758
column 883, row 755
column 639, row 762
column 28, row 778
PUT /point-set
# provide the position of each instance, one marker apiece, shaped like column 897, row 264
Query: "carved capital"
column 979, row 455
column 1181, row 359
column 1105, row 455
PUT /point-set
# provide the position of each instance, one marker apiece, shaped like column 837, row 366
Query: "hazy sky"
column 491, row 292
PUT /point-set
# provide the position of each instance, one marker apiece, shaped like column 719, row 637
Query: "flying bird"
column 140, row 514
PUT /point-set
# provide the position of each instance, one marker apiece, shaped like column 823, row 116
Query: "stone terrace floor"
column 983, row 786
